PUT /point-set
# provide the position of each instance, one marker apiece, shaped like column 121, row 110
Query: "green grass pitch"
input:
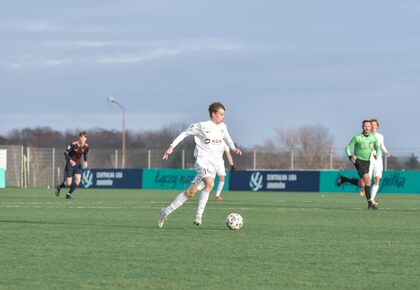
column 108, row 239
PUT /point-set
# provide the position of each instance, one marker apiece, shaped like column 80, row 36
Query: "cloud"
column 171, row 50
column 77, row 44
column 35, row 64
column 135, row 58
column 35, row 27
column 118, row 52
column 195, row 43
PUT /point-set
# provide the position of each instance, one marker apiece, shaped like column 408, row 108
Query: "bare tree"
column 311, row 146
column 412, row 163
column 98, row 137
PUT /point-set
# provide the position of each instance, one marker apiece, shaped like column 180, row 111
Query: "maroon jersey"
column 75, row 151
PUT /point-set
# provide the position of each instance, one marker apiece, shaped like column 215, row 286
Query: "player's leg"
column 374, row 190
column 363, row 170
column 179, row 200
column 368, row 181
column 200, row 186
column 203, row 198
column 69, row 182
column 342, row 179
column 74, row 185
column 371, row 169
column 207, row 172
column 220, row 187
column 359, row 165
column 361, row 184
column 76, row 180
column 355, row 181
column 221, row 172
column 365, row 182
column 68, row 178
column 196, row 185
column 377, row 178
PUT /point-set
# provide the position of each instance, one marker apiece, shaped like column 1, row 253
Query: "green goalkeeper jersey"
column 362, row 146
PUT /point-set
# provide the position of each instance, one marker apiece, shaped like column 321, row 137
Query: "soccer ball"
column 234, row 221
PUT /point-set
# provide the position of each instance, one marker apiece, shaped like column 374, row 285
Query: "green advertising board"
column 172, row 179
column 2, row 178
column 391, row 182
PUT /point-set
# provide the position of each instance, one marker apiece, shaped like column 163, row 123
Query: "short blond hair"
column 375, row 120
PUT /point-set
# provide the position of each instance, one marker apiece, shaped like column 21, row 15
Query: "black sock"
column 354, row 181
column 62, row 185
column 343, row 179
column 73, row 187
column 367, row 193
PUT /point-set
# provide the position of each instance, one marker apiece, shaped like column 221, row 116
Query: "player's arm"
column 193, row 130
column 85, row 157
column 67, row 153
column 387, row 153
column 349, row 148
column 228, row 140
column 230, row 160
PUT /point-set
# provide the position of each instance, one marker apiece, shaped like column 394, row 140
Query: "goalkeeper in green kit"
column 359, row 151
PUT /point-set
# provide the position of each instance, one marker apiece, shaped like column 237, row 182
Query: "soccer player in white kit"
column 376, row 165
column 221, row 171
column 208, row 137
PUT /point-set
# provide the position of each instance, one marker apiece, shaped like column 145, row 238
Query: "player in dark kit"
column 74, row 153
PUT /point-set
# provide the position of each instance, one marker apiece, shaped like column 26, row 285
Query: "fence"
column 43, row 167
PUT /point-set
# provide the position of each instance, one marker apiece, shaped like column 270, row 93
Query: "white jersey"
column 208, row 138
column 224, row 148
column 380, row 138
column 376, row 167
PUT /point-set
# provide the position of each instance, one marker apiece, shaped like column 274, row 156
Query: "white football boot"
column 197, row 220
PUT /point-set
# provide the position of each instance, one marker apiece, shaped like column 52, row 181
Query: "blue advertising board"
column 112, row 178
column 304, row 181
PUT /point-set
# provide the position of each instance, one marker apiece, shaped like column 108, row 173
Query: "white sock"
column 374, row 191
column 220, row 188
column 178, row 201
column 204, row 197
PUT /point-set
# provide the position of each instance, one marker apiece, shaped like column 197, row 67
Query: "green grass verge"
column 107, row 239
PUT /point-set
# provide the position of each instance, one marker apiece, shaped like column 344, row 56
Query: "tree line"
column 312, row 145
column 44, row 137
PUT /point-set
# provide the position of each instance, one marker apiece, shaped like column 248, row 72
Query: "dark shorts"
column 71, row 170
column 362, row 167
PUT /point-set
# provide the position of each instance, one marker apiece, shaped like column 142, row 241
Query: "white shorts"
column 203, row 169
column 376, row 168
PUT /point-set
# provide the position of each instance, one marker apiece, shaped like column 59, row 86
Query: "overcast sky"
column 274, row 64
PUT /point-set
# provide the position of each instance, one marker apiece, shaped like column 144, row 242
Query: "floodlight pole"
column 114, row 101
